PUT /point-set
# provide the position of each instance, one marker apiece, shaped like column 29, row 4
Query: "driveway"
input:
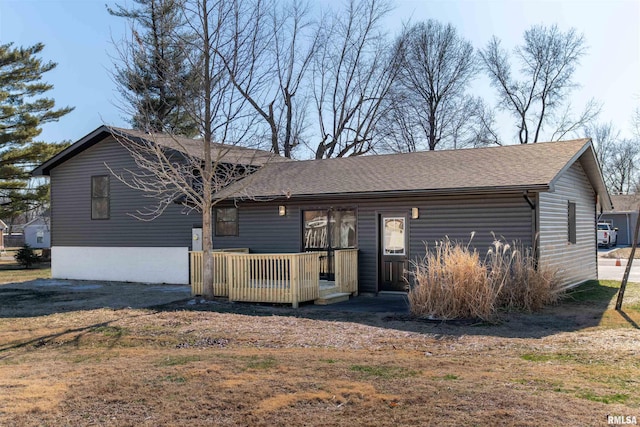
column 47, row 296
column 608, row 270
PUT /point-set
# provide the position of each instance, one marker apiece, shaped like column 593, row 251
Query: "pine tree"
column 22, row 113
column 154, row 69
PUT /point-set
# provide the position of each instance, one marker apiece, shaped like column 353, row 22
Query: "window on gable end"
column 100, row 197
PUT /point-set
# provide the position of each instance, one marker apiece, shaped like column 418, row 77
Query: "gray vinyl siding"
column 71, row 223
column 574, row 262
column 262, row 230
column 451, row 217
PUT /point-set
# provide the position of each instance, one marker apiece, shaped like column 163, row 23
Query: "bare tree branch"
column 547, row 61
column 566, row 123
column 436, row 67
column 352, row 75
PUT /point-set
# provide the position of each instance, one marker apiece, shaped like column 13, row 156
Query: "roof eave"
column 516, row 189
column 589, row 161
column 82, row 144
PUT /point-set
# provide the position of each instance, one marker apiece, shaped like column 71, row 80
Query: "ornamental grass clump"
column 452, row 282
column 530, row 286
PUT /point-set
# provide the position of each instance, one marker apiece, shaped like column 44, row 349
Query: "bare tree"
column 622, row 167
column 547, row 61
column 276, row 43
column 618, row 157
column 170, row 168
column 435, row 69
column 635, row 123
column 604, row 137
column 352, row 74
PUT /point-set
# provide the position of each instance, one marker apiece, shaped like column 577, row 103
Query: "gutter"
column 536, row 188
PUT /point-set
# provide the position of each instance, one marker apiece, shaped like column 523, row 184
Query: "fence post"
column 294, row 265
column 229, row 275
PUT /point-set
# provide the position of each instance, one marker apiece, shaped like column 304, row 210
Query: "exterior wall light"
column 282, row 210
column 415, row 213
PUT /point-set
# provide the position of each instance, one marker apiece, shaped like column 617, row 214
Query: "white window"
column 394, row 236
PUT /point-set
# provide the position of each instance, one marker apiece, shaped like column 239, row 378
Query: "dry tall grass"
column 452, row 282
column 529, row 286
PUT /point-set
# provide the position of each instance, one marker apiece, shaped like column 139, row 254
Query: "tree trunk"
column 207, row 231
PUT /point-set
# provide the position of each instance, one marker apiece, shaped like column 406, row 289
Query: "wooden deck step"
column 332, row 298
column 327, row 288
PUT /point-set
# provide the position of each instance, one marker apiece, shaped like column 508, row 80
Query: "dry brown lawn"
column 11, row 271
column 238, row 364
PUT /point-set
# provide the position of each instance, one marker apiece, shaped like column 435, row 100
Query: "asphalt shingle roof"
column 625, row 202
column 193, row 147
column 515, row 166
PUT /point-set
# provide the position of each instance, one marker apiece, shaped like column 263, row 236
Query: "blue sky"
column 78, row 36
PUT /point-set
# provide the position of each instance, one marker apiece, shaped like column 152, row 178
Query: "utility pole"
column 627, row 270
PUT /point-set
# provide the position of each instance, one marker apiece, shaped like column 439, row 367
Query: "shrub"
column 451, row 281
column 26, row 256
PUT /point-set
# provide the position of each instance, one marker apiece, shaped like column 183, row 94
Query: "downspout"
column 595, row 232
column 627, row 215
column 534, row 226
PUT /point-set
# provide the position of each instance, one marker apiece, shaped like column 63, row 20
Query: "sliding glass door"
column 327, row 230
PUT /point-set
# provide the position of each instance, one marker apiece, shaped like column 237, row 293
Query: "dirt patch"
column 47, row 296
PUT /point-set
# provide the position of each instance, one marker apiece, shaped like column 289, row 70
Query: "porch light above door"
column 415, row 213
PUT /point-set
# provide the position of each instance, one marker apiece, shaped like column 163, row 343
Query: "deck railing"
column 275, row 278
column 346, row 270
column 220, row 288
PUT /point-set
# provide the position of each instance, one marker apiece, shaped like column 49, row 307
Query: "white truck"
column 607, row 235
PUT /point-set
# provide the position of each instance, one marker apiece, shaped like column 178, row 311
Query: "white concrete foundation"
column 121, row 264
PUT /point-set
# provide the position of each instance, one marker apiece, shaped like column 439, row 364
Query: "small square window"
column 100, row 192
column 226, row 222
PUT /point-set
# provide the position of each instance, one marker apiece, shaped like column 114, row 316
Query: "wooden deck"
column 275, row 278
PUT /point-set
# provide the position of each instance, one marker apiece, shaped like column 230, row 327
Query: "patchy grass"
column 239, row 364
column 109, row 331
column 608, row 399
column 535, row 357
column 603, row 291
column 178, row 360
column 12, row 272
column 450, row 377
column 256, row 362
column 386, row 372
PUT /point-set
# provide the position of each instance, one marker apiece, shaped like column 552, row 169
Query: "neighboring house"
column 37, row 232
column 94, row 236
column 623, row 216
column 387, row 206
